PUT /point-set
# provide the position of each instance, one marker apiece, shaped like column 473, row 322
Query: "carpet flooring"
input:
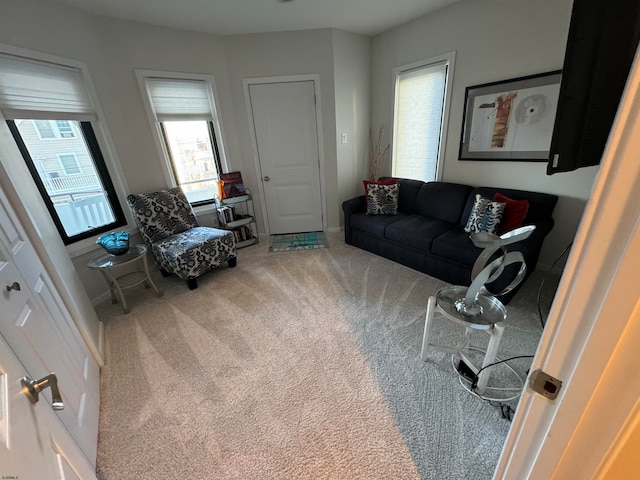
column 301, row 365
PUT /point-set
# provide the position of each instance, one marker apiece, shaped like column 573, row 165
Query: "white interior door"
column 41, row 333
column 33, row 442
column 284, row 120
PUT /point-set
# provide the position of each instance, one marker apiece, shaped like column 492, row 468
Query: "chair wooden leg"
column 232, row 262
column 192, row 283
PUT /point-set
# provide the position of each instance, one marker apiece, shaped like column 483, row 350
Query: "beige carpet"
column 293, row 365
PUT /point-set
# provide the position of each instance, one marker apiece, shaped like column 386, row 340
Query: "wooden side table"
column 107, row 265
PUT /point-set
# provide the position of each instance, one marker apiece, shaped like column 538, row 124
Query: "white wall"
column 34, row 25
column 352, row 74
column 112, row 50
column 130, row 45
column 494, row 40
column 278, row 55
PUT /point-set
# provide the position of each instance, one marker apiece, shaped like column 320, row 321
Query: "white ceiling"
column 230, row 17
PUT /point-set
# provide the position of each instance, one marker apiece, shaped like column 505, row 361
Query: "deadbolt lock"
column 544, row 384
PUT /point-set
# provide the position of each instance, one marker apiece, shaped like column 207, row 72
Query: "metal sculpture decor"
column 484, row 272
column 475, row 307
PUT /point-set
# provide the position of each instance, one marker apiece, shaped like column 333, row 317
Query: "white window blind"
column 418, row 121
column 40, row 90
column 176, row 99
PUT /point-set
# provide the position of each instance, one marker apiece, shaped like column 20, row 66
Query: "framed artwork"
column 510, row 120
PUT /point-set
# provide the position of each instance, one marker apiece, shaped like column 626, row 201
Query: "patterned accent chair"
column 177, row 243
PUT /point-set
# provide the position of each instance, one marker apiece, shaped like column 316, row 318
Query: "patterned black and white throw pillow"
column 382, row 199
column 485, row 216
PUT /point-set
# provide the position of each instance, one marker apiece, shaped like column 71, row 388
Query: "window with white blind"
column 419, row 118
column 183, row 110
column 50, row 113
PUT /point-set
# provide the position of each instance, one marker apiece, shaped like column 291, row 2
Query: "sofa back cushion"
column 408, row 192
column 541, row 205
column 442, row 201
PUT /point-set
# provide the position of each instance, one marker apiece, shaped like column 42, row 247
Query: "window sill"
column 204, row 209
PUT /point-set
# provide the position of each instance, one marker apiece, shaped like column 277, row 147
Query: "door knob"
column 13, row 286
column 266, row 179
column 32, row 389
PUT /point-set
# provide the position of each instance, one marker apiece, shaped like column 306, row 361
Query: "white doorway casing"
column 288, row 153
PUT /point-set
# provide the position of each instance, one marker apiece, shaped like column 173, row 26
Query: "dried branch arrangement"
column 376, row 152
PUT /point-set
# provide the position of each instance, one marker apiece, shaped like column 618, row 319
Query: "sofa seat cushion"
column 456, row 245
column 416, row 231
column 374, row 224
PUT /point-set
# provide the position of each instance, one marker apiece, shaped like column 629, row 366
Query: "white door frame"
column 315, row 78
column 589, row 340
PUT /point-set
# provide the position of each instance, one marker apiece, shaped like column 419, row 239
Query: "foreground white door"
column 33, row 442
column 592, row 335
column 284, row 121
column 38, row 328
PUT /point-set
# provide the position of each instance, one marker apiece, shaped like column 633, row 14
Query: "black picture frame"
column 510, row 120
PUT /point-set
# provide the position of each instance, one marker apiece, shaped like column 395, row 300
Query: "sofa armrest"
column 349, row 207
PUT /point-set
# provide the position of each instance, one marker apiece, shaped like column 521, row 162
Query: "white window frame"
column 142, row 75
column 101, row 132
column 449, row 60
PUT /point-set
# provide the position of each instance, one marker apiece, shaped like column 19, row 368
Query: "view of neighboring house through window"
column 50, row 129
column 50, row 116
column 71, row 183
column 185, row 113
column 69, row 163
column 194, row 158
column 419, row 114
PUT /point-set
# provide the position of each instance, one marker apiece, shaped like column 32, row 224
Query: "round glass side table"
column 489, row 318
column 107, row 265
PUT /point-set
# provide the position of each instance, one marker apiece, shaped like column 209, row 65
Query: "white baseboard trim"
column 101, row 342
column 101, row 298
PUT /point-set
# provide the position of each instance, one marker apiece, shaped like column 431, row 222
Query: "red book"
column 232, row 185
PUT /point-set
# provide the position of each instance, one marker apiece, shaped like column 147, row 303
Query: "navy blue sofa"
column 428, row 233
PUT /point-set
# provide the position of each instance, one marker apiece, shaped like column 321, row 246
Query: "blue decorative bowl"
column 115, row 243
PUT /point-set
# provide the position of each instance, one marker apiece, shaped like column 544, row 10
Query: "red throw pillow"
column 391, row 181
column 514, row 212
